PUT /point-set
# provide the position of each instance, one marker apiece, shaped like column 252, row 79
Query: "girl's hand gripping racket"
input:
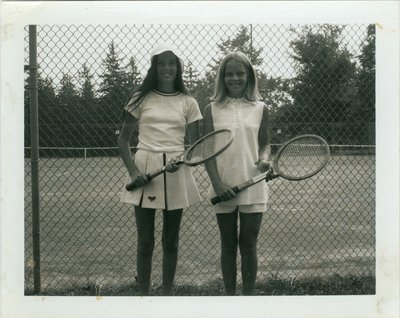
column 204, row 149
column 297, row 159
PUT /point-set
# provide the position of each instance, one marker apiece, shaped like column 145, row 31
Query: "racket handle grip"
column 217, row 199
column 133, row 185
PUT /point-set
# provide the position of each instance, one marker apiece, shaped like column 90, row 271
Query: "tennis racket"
column 204, row 149
column 297, row 159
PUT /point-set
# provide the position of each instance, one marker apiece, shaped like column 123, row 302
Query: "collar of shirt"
column 237, row 100
column 166, row 94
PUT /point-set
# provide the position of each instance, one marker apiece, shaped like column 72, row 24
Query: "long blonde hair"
column 220, row 91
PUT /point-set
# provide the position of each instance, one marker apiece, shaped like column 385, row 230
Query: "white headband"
column 164, row 48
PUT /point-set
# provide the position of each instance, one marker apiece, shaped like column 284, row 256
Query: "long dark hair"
column 150, row 82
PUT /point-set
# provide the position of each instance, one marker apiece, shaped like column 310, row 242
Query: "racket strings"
column 302, row 158
column 208, row 147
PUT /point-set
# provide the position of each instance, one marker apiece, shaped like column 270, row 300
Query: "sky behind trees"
column 74, row 46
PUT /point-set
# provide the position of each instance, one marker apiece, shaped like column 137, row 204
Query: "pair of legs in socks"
column 246, row 241
column 145, row 247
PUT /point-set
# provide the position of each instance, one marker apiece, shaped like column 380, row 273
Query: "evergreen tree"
column 134, row 76
column 67, row 97
column 48, row 110
column 87, row 95
column 191, row 77
column 115, row 82
column 115, row 89
column 88, row 108
column 47, row 99
column 66, row 129
column 87, row 91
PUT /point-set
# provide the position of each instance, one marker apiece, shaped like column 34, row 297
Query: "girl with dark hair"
column 161, row 111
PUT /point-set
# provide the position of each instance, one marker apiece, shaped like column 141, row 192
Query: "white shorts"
column 245, row 208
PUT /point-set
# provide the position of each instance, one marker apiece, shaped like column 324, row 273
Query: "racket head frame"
column 183, row 157
column 322, row 142
column 191, row 163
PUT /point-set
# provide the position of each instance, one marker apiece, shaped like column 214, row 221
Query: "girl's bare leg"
column 170, row 243
column 227, row 223
column 145, row 247
column 249, row 229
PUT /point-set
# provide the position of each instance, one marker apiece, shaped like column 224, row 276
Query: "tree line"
column 332, row 93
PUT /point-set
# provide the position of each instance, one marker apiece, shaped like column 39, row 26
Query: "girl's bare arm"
column 220, row 189
column 129, row 126
column 194, row 132
column 264, row 151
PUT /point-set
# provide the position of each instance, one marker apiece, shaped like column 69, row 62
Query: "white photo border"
column 16, row 15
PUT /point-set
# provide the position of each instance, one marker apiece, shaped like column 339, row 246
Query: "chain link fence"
column 314, row 78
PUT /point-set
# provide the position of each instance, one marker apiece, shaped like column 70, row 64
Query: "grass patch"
column 333, row 285
column 273, row 286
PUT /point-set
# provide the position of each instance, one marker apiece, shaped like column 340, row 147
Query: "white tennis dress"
column 162, row 120
column 238, row 163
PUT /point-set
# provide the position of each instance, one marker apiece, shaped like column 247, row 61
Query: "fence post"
column 34, row 112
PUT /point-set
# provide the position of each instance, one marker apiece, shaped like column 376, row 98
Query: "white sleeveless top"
column 238, row 163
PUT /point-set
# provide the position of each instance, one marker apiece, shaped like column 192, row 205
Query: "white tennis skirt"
column 169, row 191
